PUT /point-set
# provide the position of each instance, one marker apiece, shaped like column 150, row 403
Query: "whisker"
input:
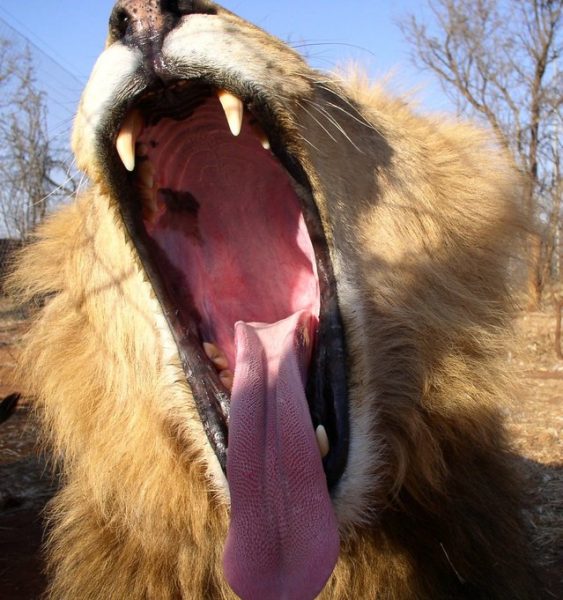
column 318, row 122
column 341, row 44
column 309, row 143
column 359, row 119
column 353, row 114
column 336, row 124
column 54, row 191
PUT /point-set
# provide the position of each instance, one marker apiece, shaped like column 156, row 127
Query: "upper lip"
column 326, row 385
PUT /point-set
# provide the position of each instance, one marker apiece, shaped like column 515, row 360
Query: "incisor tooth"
column 234, row 110
column 210, row 349
column 226, row 378
column 322, row 440
column 216, row 356
column 127, row 137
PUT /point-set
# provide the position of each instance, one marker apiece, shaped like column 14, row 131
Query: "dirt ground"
column 536, row 423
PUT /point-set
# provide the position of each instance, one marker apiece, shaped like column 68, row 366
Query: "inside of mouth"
column 227, row 229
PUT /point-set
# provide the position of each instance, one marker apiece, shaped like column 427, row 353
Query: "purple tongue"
column 283, row 538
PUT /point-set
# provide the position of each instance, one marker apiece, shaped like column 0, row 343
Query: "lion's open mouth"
column 229, row 238
column 237, row 257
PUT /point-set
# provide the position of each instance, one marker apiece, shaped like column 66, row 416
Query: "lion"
column 270, row 358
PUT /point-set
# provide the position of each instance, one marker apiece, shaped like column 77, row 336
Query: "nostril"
column 186, row 6
column 119, row 23
column 178, row 7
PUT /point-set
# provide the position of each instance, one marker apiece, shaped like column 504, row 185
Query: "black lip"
column 327, row 390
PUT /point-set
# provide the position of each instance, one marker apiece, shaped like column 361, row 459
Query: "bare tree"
column 7, row 62
column 499, row 60
column 29, row 164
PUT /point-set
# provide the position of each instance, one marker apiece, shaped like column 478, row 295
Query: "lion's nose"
column 146, row 22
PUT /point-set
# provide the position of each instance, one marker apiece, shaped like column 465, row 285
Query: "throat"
column 227, row 229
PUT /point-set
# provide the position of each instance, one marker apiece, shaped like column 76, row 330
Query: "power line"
column 60, row 85
column 35, row 45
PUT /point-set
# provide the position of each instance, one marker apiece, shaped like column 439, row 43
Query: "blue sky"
column 327, row 32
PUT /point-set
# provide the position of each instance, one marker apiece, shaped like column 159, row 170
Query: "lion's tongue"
column 283, row 538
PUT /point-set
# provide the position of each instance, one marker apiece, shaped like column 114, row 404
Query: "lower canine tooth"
column 234, row 110
column 322, row 440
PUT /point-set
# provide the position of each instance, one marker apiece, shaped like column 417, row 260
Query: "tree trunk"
column 558, row 308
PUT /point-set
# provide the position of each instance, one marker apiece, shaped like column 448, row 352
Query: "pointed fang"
column 127, row 138
column 322, row 440
column 234, row 110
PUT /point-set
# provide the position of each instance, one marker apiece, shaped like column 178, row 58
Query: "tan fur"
column 422, row 217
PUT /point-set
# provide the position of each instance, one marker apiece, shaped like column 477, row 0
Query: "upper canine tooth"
column 261, row 135
column 127, row 138
column 322, row 440
column 234, row 110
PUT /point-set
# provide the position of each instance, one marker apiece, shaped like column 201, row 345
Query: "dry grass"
column 536, row 423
